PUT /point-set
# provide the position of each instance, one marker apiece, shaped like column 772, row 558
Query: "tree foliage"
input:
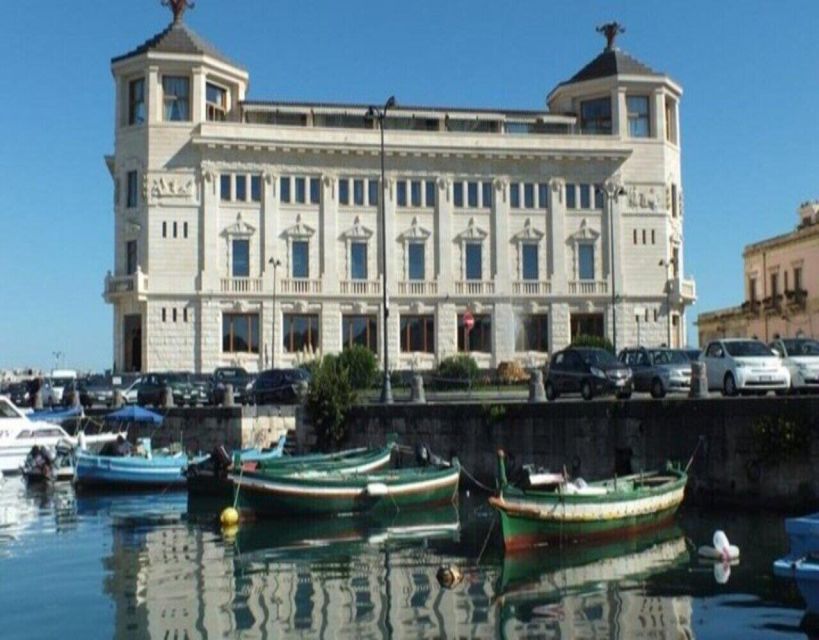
column 329, row 399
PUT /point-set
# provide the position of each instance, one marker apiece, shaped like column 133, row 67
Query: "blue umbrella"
column 134, row 414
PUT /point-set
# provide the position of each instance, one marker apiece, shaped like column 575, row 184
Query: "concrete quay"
column 754, row 451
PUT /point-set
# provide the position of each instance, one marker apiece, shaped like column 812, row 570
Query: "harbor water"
column 155, row 566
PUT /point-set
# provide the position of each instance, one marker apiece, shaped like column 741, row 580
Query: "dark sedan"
column 589, row 372
column 280, row 386
column 153, row 384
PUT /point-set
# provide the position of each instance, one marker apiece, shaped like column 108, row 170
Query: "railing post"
column 536, row 391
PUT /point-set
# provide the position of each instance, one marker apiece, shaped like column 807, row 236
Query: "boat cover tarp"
column 55, row 415
column 133, row 413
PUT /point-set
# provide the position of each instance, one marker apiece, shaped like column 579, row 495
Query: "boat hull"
column 339, row 494
column 130, row 472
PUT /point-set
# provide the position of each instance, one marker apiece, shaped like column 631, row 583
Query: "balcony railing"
column 474, row 287
column 361, row 287
column 588, row 287
column 417, row 288
column 683, row 290
column 796, row 298
column 241, row 285
column 531, row 287
column 123, row 285
column 300, row 285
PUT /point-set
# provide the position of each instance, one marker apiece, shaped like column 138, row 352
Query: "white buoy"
column 377, row 489
column 722, row 549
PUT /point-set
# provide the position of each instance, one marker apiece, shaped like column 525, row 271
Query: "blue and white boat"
column 143, row 469
column 802, row 563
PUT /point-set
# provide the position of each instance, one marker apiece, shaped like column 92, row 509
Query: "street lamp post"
column 276, row 263
column 668, row 264
column 380, row 115
column 612, row 191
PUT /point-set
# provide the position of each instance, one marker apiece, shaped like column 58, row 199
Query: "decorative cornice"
column 240, row 228
column 472, row 232
column 528, row 233
column 299, row 230
column 357, row 232
column 415, row 232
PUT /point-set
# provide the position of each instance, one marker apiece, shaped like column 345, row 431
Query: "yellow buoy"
column 229, row 517
column 229, row 533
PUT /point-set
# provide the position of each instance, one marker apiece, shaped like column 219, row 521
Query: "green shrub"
column 777, row 439
column 593, row 341
column 456, row 372
column 361, row 366
column 329, row 399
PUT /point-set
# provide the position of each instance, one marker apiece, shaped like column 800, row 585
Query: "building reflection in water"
column 349, row 581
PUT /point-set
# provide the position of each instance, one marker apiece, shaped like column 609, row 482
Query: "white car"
column 801, row 357
column 743, row 365
column 129, row 394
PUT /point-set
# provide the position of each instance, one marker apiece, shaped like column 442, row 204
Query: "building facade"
column 781, row 287
column 249, row 232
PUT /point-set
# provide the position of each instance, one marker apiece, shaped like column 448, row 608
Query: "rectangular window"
column 417, row 334
column 797, row 279
column 416, row 267
column 130, row 257
column 301, row 259
column 533, row 334
column 284, row 189
column 671, row 120
column 474, row 268
column 301, row 191
column 486, row 195
column 164, row 314
column 415, row 193
column 752, row 289
column 136, row 101
column 644, row 236
column 543, row 195
column 344, row 191
column 401, row 193
column 301, row 332
column 358, row 260
column 359, row 330
column 585, row 261
column 430, row 193
column 225, row 182
column 315, row 190
column 184, row 314
column 673, row 200
column 514, row 195
column 595, row 116
column 585, row 196
column 164, row 229
column 638, row 122
column 598, row 196
column 358, row 193
column 184, row 229
column 256, row 188
column 529, row 195
column 774, row 285
column 472, row 194
column 173, row 314
column 240, row 333
column 174, row 229
column 176, row 98
column 530, row 269
column 635, row 236
column 132, row 195
column 571, row 196
column 241, row 258
column 479, row 338
column 458, row 194
column 241, row 188
column 653, row 236
column 372, row 186
column 216, row 103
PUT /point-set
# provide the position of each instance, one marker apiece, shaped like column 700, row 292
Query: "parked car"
column 692, row 354
column 152, row 385
column 241, row 380
column 740, row 365
column 198, row 386
column 96, row 390
column 59, row 380
column 801, row 357
column 280, row 386
column 658, row 371
column 131, row 392
column 588, row 371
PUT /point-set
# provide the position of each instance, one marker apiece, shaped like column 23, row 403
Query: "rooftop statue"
column 610, row 30
column 178, row 7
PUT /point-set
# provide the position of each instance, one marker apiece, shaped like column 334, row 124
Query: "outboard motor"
column 422, row 455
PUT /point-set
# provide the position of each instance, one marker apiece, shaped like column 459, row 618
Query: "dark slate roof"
column 609, row 63
column 177, row 38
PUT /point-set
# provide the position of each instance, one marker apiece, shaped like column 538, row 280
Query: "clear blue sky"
column 750, row 71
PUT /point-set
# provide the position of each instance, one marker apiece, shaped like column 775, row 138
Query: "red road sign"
column 469, row 320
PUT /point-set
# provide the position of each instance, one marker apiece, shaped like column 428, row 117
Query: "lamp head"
column 275, row 262
column 391, row 103
column 370, row 112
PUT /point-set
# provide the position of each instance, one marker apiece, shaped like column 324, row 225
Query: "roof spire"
column 610, row 30
column 178, row 7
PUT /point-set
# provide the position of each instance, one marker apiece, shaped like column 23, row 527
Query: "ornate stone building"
column 248, row 232
column 781, row 287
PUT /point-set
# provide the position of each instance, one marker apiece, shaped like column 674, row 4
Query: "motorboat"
column 19, row 433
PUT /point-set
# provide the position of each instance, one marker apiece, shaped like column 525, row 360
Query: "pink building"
column 781, row 287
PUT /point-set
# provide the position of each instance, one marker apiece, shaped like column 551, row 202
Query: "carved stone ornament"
column 557, row 184
column 415, row 232
column 163, row 187
column 299, row 230
column 240, row 228
column 357, row 232
column 584, row 233
column 472, row 232
column 642, row 198
column 528, row 233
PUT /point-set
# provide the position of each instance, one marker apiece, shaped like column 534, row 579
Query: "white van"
column 60, row 378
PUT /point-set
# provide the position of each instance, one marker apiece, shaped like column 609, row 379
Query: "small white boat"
column 18, row 434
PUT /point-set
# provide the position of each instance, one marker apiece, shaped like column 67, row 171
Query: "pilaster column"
column 330, row 271
column 208, row 231
column 556, row 236
column 153, row 97
column 499, row 224
column 443, row 237
column 619, row 112
column 658, row 115
column 197, row 105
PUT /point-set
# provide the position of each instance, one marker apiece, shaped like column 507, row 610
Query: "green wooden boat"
column 338, row 493
column 361, row 460
column 568, row 511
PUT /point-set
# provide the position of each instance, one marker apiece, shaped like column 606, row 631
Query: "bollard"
column 75, row 398
column 536, row 391
column 418, row 396
column 227, row 395
column 699, row 380
column 37, row 400
column 117, row 399
column 167, row 397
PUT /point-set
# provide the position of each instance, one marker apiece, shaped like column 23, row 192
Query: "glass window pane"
column 458, row 194
column 254, row 333
column 479, row 338
column 598, row 196
column 301, row 264
column 256, row 188
column 136, row 102
column 416, row 261
column 344, row 191
column 241, row 258
column 514, row 195
column 372, row 197
column 358, row 260
column 586, row 261
column 595, row 116
column 301, row 190
column 571, row 196
column 415, row 193
column 130, row 257
column 284, row 190
column 315, row 190
column 529, row 195
column 638, row 119
column 585, row 196
column 358, row 193
column 543, row 195
column 132, row 195
column 472, row 193
column 224, row 186
column 473, row 261
column 176, row 92
column 530, row 262
column 486, row 194
column 430, row 193
column 241, row 188
column 401, row 192
column 241, row 333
